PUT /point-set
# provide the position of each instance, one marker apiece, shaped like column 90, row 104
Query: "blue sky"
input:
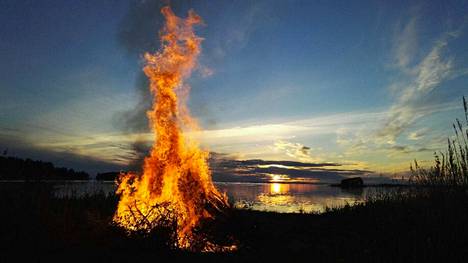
column 367, row 84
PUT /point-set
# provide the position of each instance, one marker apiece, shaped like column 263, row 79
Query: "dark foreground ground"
column 430, row 226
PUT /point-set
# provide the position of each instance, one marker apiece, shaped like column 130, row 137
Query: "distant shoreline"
column 216, row 182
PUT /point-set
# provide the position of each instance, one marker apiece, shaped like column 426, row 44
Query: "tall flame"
column 176, row 180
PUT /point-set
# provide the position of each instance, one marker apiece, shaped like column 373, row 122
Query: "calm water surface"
column 277, row 197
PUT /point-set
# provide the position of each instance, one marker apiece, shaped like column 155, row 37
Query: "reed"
column 451, row 166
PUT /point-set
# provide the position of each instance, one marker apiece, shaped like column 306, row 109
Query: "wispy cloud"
column 418, row 75
column 417, row 82
column 277, row 135
column 294, row 150
column 418, row 134
column 406, row 42
column 236, row 29
column 398, row 149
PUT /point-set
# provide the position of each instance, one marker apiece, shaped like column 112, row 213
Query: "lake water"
column 277, row 197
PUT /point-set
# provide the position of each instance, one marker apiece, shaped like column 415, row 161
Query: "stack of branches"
column 158, row 224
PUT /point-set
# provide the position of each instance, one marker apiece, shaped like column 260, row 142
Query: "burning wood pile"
column 175, row 188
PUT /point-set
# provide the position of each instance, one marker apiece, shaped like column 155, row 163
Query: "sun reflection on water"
column 291, row 198
column 277, row 188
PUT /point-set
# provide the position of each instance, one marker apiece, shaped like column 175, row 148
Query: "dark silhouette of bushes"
column 12, row 168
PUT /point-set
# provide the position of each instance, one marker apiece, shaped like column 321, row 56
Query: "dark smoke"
column 141, row 149
column 135, row 119
column 138, row 33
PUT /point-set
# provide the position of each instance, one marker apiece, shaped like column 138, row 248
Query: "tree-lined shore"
column 14, row 168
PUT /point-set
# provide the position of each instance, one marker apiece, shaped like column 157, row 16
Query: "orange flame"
column 176, row 179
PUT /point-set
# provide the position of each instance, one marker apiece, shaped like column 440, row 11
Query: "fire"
column 176, row 179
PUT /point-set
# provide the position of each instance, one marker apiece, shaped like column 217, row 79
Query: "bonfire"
column 175, row 184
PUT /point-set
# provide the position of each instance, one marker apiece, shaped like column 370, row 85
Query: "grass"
column 450, row 167
column 403, row 226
